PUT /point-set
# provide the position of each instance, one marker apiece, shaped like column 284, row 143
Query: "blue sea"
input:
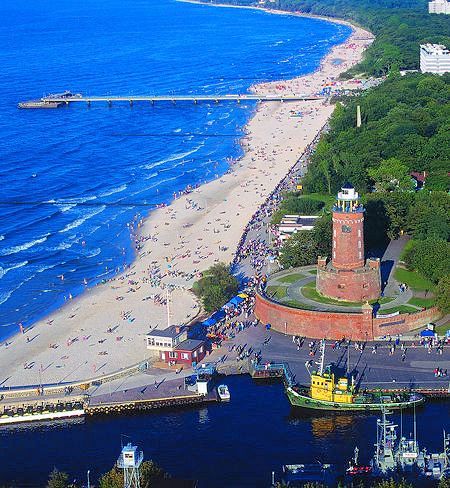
column 74, row 180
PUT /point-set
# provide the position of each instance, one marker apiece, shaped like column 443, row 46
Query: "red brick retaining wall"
column 336, row 325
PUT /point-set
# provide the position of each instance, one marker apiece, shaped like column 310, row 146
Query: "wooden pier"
column 55, row 101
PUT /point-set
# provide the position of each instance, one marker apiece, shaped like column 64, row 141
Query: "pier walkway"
column 55, row 101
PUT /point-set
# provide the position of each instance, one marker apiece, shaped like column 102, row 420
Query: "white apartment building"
column 439, row 7
column 434, row 58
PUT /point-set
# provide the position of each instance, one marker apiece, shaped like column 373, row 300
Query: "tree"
column 322, row 235
column 216, row 287
column 442, row 293
column 298, row 250
column 431, row 258
column 391, row 175
column 58, row 479
column 429, row 216
column 149, row 474
column 393, row 484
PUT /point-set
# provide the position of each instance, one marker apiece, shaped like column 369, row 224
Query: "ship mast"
column 322, row 356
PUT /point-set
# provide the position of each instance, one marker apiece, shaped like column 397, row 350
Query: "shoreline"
column 132, row 302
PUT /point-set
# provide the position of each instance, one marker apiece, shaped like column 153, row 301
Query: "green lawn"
column 400, row 308
column 309, row 291
column 413, row 279
column 422, row 302
column 276, row 292
column 384, row 300
column 328, row 200
column 407, row 247
column 313, row 271
column 442, row 329
column 291, row 278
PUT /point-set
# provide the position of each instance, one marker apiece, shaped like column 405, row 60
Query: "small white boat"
column 224, row 393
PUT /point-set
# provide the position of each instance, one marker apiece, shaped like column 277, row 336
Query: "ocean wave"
column 113, row 191
column 5, row 296
column 1, row 238
column 76, row 223
column 23, row 247
column 4, row 271
column 44, row 267
column 174, row 157
column 73, row 200
column 151, row 175
column 65, row 207
column 93, row 253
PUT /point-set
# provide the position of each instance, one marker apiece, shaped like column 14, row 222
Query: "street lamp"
column 88, row 481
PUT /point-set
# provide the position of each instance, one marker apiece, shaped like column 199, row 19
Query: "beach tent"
column 236, row 300
column 427, row 333
column 215, row 317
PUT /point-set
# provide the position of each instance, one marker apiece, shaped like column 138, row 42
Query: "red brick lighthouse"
column 348, row 276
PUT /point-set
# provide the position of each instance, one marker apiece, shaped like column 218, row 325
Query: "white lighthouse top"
column 348, row 200
column 348, row 193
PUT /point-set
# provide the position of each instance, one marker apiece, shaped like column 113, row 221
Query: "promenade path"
column 372, row 370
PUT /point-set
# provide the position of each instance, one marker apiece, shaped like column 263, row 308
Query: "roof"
column 347, row 186
column 171, row 331
column 189, row 345
column 419, row 175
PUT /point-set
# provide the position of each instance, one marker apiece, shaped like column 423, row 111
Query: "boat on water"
column 328, row 392
column 224, row 393
column 299, row 474
column 51, row 412
column 49, row 101
column 404, row 455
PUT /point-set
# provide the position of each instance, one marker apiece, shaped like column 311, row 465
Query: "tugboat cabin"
column 323, row 387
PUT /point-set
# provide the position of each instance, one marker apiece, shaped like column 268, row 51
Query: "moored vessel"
column 49, row 101
column 224, row 393
column 327, row 392
column 21, row 415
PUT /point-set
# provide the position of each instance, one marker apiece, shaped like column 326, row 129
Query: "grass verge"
column 291, row 278
column 413, row 279
column 276, row 292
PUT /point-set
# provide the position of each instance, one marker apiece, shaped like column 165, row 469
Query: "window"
column 359, row 232
column 334, row 254
column 173, row 355
column 365, row 285
column 334, row 243
column 360, row 255
column 359, row 244
column 341, row 286
column 194, row 354
column 184, row 355
column 150, row 341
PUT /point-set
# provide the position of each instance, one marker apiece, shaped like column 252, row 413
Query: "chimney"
column 177, row 329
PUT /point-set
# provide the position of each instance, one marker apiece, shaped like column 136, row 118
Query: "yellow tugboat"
column 328, row 393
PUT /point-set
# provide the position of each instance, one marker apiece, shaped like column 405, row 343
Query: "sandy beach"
column 104, row 329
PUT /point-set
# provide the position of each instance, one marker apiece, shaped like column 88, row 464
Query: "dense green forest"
column 406, row 127
column 399, row 26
